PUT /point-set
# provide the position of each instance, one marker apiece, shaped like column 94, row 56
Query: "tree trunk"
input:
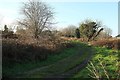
column 98, row 33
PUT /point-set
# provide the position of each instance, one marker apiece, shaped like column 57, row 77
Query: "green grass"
column 108, row 57
column 63, row 65
column 54, row 64
column 19, row 68
column 66, row 60
column 26, row 66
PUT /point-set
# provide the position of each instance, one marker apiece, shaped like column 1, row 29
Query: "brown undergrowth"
column 109, row 43
column 21, row 50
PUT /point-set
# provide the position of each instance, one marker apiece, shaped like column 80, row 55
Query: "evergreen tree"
column 77, row 31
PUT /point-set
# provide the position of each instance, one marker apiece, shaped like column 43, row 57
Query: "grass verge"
column 19, row 68
column 109, row 58
column 79, row 54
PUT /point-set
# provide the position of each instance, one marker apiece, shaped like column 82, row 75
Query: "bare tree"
column 37, row 16
column 108, row 32
column 1, row 19
column 69, row 31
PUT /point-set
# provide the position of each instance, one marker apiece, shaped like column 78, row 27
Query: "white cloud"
column 7, row 16
column 7, row 21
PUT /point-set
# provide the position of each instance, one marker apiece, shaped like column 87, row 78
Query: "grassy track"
column 20, row 68
column 61, row 63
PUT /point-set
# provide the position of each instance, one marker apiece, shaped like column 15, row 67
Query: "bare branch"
column 37, row 16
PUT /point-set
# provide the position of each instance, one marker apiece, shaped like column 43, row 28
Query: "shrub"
column 16, row 52
column 109, row 43
column 31, row 50
column 77, row 33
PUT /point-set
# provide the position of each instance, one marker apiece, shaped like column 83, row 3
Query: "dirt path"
column 62, row 63
column 73, row 71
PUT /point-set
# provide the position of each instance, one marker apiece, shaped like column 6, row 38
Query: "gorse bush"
column 15, row 50
column 109, row 43
column 18, row 52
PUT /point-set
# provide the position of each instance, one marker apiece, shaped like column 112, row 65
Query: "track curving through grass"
column 65, row 67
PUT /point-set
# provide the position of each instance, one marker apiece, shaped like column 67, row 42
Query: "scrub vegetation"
column 37, row 50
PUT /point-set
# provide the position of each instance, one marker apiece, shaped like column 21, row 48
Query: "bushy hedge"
column 109, row 43
column 17, row 51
